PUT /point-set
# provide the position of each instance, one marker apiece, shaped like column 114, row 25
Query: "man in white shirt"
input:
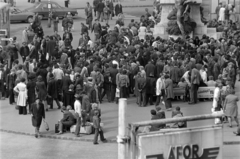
column 160, row 87
column 186, row 77
column 57, row 72
column 78, row 111
column 211, row 82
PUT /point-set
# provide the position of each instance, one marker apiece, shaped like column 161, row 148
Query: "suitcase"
column 56, row 128
column 88, row 129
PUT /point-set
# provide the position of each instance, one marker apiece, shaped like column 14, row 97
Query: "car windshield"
column 15, row 10
column 55, row 5
column 38, row 6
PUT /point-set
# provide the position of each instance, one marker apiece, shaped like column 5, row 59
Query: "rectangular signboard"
column 205, row 92
column 192, row 143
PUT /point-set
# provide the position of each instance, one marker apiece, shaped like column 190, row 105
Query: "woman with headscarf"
column 21, row 89
column 38, row 113
column 231, row 108
column 168, row 92
column 41, row 90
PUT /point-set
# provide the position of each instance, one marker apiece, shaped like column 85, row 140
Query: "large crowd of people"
column 117, row 63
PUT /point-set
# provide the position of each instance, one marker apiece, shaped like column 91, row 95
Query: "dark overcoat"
column 38, row 114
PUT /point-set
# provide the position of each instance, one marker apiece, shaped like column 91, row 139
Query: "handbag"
column 56, row 128
column 45, row 125
column 17, row 107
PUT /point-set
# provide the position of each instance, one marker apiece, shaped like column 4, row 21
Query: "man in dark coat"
column 24, row 51
column 67, row 121
column 52, row 92
column 38, row 113
column 69, row 96
column 86, row 108
column 66, row 81
column 195, row 81
column 150, row 85
column 142, row 90
column 10, row 84
column 33, row 52
column 106, row 84
column 113, row 73
column 65, row 23
column 175, row 74
column 31, row 85
column 150, row 68
column 99, row 8
column 159, row 67
column 42, row 71
column 161, row 115
column 118, row 8
column 50, row 47
column 154, row 127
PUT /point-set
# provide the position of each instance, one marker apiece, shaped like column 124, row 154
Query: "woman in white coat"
column 217, row 101
column 222, row 14
column 142, row 32
column 160, row 89
column 21, row 89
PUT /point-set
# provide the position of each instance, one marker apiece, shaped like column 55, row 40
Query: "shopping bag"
column 218, row 120
column 45, row 125
column 47, row 56
column 117, row 95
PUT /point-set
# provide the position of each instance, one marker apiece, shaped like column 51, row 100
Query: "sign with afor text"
column 189, row 143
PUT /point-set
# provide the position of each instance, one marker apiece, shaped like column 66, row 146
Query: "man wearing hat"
column 10, row 84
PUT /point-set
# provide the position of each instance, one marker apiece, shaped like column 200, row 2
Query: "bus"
column 4, row 23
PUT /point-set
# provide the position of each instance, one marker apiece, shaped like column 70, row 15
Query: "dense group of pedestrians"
column 120, row 62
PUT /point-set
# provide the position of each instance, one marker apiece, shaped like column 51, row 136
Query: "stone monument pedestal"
column 196, row 16
column 167, row 7
column 160, row 28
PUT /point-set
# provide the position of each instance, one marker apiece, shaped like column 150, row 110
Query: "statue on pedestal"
column 180, row 22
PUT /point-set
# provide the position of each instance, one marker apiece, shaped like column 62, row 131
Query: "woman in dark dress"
column 31, row 85
column 69, row 97
column 38, row 113
column 41, row 91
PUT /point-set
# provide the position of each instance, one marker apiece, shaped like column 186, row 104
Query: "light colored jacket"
column 77, row 108
column 159, row 86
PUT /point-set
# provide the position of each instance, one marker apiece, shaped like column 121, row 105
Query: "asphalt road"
column 28, row 147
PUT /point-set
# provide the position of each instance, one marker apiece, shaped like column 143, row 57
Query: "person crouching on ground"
column 67, row 121
column 38, row 113
column 98, row 129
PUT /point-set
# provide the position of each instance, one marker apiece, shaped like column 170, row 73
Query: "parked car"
column 43, row 8
column 20, row 16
